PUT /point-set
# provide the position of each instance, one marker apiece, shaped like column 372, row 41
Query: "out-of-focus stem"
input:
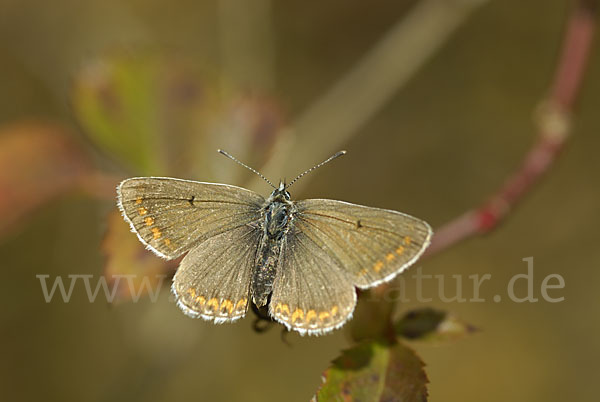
column 246, row 44
column 333, row 118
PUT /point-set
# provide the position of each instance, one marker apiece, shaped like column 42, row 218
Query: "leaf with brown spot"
column 373, row 371
column 432, row 325
column 38, row 162
column 127, row 257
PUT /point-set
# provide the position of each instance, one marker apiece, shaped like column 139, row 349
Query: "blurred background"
column 434, row 101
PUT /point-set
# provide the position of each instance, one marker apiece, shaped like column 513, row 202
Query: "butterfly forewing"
column 311, row 293
column 213, row 279
column 372, row 245
column 170, row 216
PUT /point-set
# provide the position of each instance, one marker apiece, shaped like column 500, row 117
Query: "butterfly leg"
column 263, row 321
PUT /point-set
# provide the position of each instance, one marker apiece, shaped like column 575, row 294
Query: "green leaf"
column 432, row 325
column 117, row 101
column 373, row 371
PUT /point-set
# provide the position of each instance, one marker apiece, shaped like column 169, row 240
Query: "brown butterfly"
column 301, row 258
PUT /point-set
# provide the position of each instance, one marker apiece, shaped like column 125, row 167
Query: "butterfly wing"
column 170, row 216
column 213, row 279
column 311, row 292
column 372, row 245
column 333, row 246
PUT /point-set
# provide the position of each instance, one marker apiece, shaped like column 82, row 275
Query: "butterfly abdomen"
column 264, row 272
column 276, row 219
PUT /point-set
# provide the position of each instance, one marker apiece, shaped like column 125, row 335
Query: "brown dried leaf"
column 134, row 270
column 38, row 162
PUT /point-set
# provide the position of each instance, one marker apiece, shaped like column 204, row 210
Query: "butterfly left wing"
column 170, row 216
column 311, row 293
column 333, row 246
column 372, row 245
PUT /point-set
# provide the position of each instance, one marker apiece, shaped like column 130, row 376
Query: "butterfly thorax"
column 277, row 214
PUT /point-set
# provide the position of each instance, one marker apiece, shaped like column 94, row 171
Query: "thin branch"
column 553, row 131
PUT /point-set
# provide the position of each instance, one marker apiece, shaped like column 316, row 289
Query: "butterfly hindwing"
column 213, row 279
column 170, row 216
column 311, row 292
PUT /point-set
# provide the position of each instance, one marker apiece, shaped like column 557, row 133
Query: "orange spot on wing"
column 390, row 257
column 282, row 309
column 298, row 314
column 213, row 304
column 226, row 306
column 378, row 266
column 312, row 314
column 407, row 240
column 149, row 221
column 156, row 232
column 142, row 211
column 138, row 201
column 400, row 250
column 334, row 310
column 323, row 315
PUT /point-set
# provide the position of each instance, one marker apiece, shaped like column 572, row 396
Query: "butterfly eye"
column 287, row 195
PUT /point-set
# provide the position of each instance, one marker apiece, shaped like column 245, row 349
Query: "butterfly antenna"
column 332, row 157
column 246, row 166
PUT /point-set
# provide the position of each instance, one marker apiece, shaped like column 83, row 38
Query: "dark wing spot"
column 358, row 224
column 191, row 200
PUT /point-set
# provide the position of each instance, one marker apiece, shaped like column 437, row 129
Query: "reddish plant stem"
column 553, row 120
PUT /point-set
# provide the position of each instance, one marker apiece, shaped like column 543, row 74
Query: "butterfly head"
column 280, row 193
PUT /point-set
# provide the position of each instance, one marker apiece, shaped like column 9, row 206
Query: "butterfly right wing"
column 213, row 279
column 170, row 216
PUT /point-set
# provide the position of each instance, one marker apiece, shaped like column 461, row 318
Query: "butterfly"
column 303, row 260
